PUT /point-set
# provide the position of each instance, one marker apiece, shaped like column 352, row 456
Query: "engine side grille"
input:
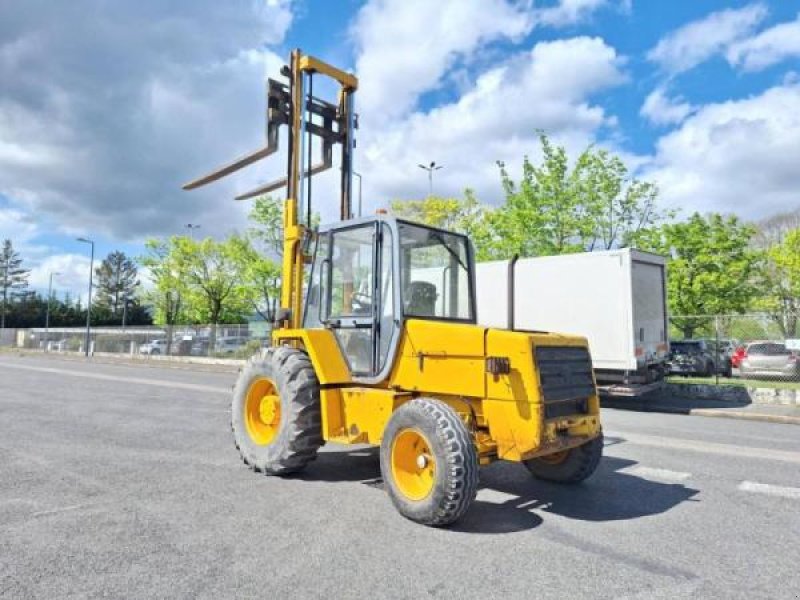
column 565, row 374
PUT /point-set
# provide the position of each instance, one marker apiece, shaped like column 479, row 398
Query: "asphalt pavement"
column 123, row 481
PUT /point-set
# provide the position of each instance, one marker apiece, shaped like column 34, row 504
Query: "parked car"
column 769, row 359
column 727, row 347
column 722, row 351
column 154, row 347
column 737, row 357
column 57, row 346
column 229, row 345
column 199, row 347
column 222, row 345
column 691, row 357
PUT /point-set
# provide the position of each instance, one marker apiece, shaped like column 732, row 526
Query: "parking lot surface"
column 123, row 481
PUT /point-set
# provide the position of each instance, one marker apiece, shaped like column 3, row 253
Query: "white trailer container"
column 615, row 298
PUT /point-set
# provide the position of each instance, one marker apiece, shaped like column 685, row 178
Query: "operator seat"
column 422, row 299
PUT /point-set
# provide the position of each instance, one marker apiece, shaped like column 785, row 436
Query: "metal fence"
column 221, row 341
column 727, row 348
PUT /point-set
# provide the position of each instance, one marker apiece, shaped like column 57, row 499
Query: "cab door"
column 352, row 293
column 351, row 312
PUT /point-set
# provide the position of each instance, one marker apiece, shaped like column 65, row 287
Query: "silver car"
column 154, row 347
column 769, row 359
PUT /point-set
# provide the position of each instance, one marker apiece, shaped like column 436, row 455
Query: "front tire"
column 429, row 462
column 570, row 466
column 275, row 412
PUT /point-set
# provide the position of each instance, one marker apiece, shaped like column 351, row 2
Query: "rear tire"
column 573, row 466
column 275, row 412
column 429, row 462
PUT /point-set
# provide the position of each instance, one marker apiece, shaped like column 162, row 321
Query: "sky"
column 106, row 108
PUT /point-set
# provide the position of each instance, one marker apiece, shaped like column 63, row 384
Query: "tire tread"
column 297, row 445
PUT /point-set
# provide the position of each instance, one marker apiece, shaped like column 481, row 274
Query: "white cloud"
column 737, row 157
column 16, row 225
column 567, row 12
column 70, row 275
column 696, row 42
column 405, row 47
column 106, row 108
column 769, row 47
column 659, row 109
column 547, row 88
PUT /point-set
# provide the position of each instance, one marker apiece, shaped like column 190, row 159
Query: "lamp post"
column 47, row 312
column 359, row 191
column 191, row 227
column 430, row 169
column 89, row 300
column 5, row 292
column 125, row 301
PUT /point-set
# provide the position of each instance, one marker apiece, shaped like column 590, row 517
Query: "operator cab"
column 371, row 274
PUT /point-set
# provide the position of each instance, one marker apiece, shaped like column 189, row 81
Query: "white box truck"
column 615, row 298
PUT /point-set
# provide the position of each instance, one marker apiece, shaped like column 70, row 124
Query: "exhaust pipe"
column 511, row 286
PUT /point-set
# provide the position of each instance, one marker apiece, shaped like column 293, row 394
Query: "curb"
column 164, row 363
column 718, row 412
column 745, row 416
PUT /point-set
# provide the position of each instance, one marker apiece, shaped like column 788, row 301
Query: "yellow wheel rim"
column 262, row 411
column 556, row 458
column 413, row 465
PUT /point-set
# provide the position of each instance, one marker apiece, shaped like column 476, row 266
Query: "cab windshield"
column 435, row 274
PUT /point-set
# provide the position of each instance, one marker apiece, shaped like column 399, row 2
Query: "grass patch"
column 736, row 381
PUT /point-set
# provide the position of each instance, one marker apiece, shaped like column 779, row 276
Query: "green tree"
column 556, row 208
column 212, row 275
column 13, row 278
column 267, row 219
column 454, row 214
column 615, row 207
column 261, row 279
column 117, row 281
column 780, row 283
column 199, row 281
column 467, row 216
column 167, row 294
column 261, row 268
column 710, row 265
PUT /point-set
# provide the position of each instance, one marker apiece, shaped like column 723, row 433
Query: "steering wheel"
column 364, row 301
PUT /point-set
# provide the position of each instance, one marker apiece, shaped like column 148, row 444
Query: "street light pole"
column 359, row 191
column 125, row 301
column 89, row 300
column 430, row 169
column 191, row 227
column 47, row 312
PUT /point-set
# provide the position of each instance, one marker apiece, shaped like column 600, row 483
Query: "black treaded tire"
column 579, row 464
column 710, row 369
column 452, row 447
column 299, row 433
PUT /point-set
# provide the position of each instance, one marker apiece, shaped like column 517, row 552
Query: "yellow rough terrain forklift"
column 377, row 342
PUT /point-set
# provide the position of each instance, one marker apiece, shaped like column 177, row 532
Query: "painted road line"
column 770, row 490
column 657, row 474
column 657, row 441
column 119, row 379
column 495, row 496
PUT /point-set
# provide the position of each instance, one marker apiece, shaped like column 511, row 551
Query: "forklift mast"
column 307, row 117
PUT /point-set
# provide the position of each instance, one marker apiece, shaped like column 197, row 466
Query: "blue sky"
column 107, row 108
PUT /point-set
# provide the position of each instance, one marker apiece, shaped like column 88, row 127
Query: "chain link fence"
column 218, row 341
column 757, row 349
